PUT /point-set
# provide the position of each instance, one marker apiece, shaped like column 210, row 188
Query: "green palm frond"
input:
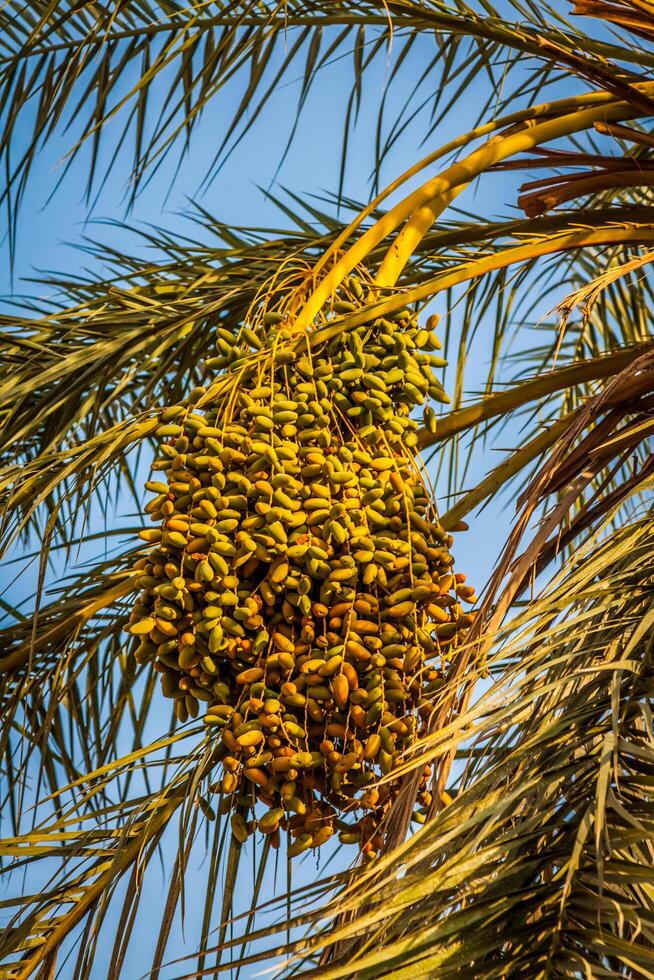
column 64, row 67
column 122, row 839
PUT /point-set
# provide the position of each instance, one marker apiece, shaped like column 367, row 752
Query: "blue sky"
column 50, row 231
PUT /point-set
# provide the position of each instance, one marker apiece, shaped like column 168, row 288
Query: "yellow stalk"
column 412, row 234
column 432, row 194
column 467, row 271
column 440, row 191
column 502, row 122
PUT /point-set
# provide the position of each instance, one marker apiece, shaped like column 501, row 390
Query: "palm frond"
column 62, row 68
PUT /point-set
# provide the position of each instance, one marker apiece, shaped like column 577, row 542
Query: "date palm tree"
column 536, row 857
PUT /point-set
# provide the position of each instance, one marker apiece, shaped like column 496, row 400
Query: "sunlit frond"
column 64, row 67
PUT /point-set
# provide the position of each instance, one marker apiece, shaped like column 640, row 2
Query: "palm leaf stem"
column 593, row 369
column 420, row 208
column 474, row 269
